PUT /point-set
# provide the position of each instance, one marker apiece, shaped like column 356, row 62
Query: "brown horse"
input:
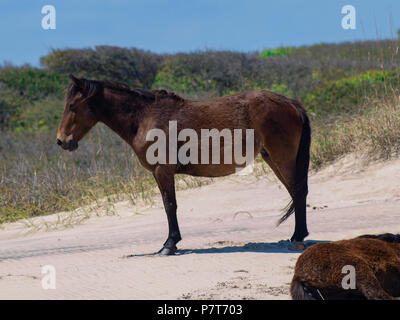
column 376, row 261
column 280, row 126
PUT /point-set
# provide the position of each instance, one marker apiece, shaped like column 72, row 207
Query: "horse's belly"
column 209, row 170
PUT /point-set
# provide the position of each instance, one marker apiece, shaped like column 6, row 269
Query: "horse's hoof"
column 297, row 246
column 167, row 251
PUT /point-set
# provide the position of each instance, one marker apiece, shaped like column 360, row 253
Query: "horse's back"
column 256, row 109
column 321, row 265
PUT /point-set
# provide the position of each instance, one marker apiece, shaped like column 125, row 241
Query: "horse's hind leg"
column 268, row 160
column 166, row 183
column 281, row 157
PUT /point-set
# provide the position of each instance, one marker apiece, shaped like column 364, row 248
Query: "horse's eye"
column 72, row 107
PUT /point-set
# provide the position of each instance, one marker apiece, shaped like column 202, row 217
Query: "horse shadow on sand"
column 283, row 246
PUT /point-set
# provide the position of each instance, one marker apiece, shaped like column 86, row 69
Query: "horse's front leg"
column 166, row 183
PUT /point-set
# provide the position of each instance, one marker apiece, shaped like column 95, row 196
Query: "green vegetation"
column 353, row 94
column 283, row 51
column 351, row 91
column 136, row 68
column 25, row 91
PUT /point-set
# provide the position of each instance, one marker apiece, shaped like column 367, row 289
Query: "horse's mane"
column 94, row 86
column 388, row 237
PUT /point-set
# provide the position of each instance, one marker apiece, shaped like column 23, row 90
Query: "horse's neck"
column 119, row 120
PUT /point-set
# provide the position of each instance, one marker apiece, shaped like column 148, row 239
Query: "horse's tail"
column 299, row 291
column 300, row 190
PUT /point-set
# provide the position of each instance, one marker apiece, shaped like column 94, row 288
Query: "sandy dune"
column 231, row 248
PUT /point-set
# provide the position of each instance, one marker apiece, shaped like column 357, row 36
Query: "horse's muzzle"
column 69, row 145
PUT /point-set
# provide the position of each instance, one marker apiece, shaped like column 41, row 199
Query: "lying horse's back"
column 376, row 261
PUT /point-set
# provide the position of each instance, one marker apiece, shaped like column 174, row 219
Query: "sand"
column 231, row 247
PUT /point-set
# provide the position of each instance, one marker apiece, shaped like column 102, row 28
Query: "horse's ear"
column 86, row 87
column 77, row 82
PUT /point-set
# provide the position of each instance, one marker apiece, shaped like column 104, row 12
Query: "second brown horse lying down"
column 319, row 271
column 280, row 126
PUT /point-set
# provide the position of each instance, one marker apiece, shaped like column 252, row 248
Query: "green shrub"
column 9, row 103
column 41, row 115
column 21, row 89
column 221, row 72
column 281, row 89
column 352, row 94
column 176, row 78
column 33, row 83
column 361, row 55
column 136, row 68
column 277, row 52
column 200, row 71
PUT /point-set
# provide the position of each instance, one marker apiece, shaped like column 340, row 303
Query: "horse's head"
column 78, row 117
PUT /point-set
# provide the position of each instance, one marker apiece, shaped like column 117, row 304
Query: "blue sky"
column 186, row 25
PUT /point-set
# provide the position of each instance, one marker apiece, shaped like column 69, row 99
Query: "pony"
column 279, row 125
column 319, row 270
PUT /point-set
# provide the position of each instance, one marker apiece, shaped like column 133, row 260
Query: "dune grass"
column 374, row 134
